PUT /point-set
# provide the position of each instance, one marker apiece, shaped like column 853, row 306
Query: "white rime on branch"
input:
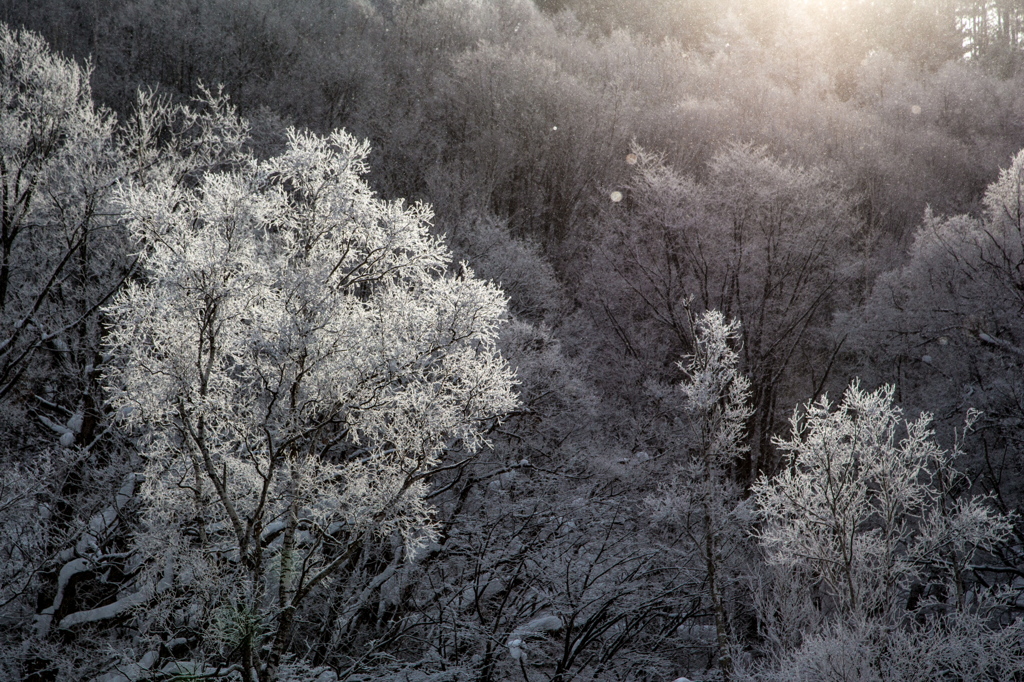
column 296, row 359
column 866, row 504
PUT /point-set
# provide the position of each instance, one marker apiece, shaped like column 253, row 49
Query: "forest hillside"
column 554, row 340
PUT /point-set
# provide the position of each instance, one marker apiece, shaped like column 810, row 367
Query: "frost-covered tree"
column 717, row 397
column 866, row 505
column 946, row 328
column 65, row 485
column 295, row 361
column 57, row 158
column 759, row 240
column 867, row 525
column 62, row 244
column 704, row 498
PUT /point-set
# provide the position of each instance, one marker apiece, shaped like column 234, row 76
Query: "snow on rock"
column 67, row 571
column 537, row 627
column 133, row 671
column 193, row 670
column 109, row 611
column 67, row 431
column 76, row 421
column 123, row 604
column 105, row 520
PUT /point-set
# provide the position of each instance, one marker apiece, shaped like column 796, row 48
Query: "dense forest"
column 486, row 340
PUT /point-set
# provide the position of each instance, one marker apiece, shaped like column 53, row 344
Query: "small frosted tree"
column 865, row 516
column 716, row 394
column 704, row 498
column 295, row 361
column 717, row 399
column 865, row 505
